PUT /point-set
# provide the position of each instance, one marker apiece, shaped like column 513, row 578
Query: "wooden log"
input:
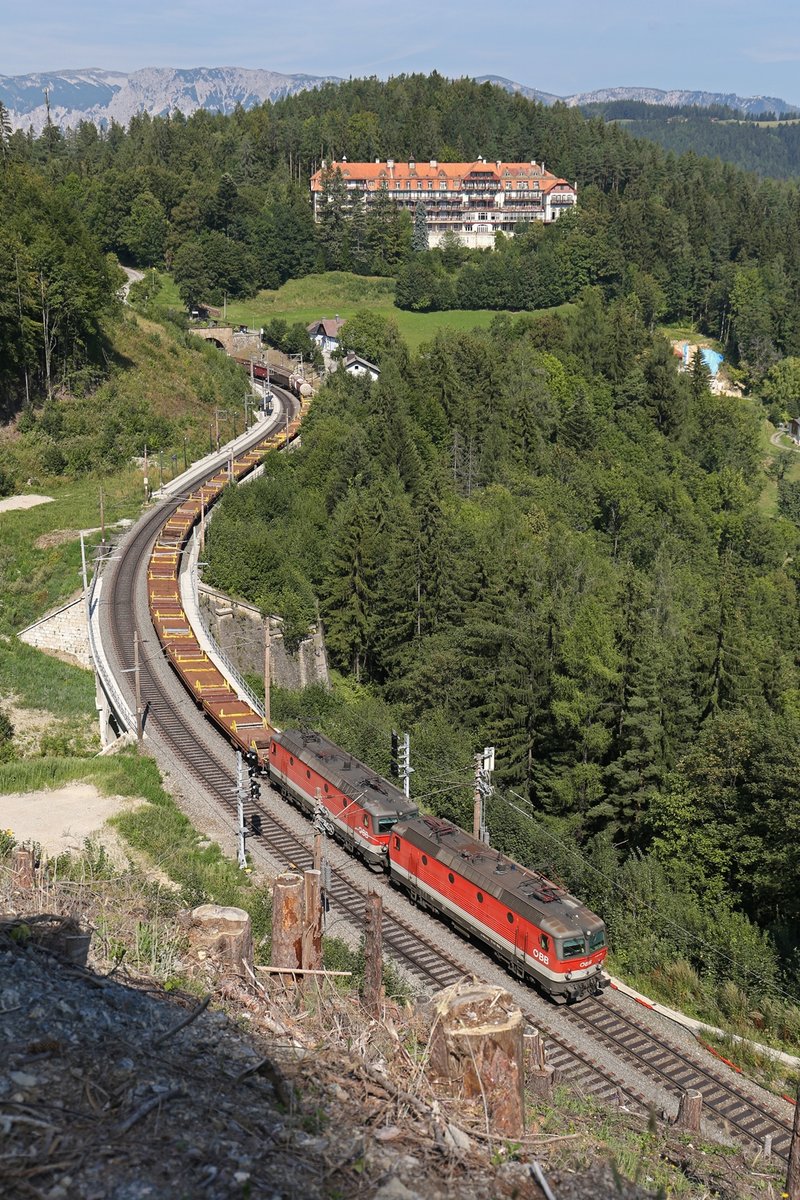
column 220, row 938
column 287, row 921
column 476, row 1044
column 793, row 1173
column 373, row 954
column 690, row 1110
column 22, row 869
column 312, row 921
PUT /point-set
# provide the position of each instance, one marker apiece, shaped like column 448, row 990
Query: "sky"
column 712, row 45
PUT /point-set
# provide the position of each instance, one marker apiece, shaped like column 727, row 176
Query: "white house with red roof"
column 325, row 333
column 473, row 200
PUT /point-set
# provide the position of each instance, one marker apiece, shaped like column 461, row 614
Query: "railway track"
column 677, row 1071
column 172, row 717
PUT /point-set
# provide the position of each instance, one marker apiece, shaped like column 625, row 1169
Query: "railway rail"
column 180, row 727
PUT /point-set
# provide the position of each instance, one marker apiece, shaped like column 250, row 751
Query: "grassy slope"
column 149, row 366
column 339, row 292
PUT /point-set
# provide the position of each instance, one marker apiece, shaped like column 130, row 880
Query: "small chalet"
column 354, row 364
column 326, row 333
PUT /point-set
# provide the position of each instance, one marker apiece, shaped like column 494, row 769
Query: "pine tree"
column 419, row 240
column 347, row 606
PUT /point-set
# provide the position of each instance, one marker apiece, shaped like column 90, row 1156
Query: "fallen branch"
column 148, row 1106
column 201, row 1008
column 301, row 971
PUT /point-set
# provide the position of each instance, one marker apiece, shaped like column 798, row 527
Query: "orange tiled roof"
column 454, row 173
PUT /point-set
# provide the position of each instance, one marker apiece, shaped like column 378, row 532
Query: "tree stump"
column 22, row 869
column 219, row 939
column 539, row 1076
column 287, row 923
column 373, row 955
column 312, row 921
column 477, row 1045
column 690, row 1109
column 793, row 1173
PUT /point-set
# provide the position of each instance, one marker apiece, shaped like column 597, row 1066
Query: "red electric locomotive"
column 361, row 807
column 536, row 928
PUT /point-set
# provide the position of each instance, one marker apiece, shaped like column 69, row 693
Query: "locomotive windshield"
column 572, row 947
column 597, row 940
column 386, row 823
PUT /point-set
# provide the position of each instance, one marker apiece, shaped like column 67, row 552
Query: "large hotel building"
column 475, row 200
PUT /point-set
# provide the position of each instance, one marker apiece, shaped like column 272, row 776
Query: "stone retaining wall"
column 238, row 630
column 62, row 631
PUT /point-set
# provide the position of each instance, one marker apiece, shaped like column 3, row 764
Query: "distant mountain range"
column 106, row 96
column 752, row 105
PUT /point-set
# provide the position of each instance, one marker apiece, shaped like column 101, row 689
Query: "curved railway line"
column 174, row 720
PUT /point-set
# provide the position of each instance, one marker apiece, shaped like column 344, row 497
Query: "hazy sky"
column 716, row 45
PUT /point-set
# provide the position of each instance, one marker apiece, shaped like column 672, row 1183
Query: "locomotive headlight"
column 568, row 975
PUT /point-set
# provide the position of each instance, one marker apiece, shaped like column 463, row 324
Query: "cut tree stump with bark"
column 793, row 1173
column 23, row 869
column 476, row 1044
column 287, row 922
column 690, row 1110
column 373, row 955
column 219, row 938
column 539, row 1075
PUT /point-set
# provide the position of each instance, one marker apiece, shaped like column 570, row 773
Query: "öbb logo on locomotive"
column 541, row 932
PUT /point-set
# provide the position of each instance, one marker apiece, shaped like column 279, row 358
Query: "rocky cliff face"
column 106, row 96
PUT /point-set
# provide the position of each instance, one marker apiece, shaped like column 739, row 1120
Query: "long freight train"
column 541, row 932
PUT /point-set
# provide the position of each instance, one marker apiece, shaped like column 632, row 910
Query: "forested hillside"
column 223, row 201
column 767, row 148
column 543, row 537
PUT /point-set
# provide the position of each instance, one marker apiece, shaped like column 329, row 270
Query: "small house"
column 326, row 333
column 354, row 364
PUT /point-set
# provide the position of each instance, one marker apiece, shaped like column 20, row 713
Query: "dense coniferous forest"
column 545, row 538
column 757, row 145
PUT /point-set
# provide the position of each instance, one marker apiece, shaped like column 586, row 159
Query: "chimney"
column 434, row 163
column 390, row 163
column 411, row 164
column 497, row 163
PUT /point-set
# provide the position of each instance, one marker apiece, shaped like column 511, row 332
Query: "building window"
column 481, row 216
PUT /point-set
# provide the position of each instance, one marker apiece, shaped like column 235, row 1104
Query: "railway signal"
column 401, row 759
column 484, row 765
